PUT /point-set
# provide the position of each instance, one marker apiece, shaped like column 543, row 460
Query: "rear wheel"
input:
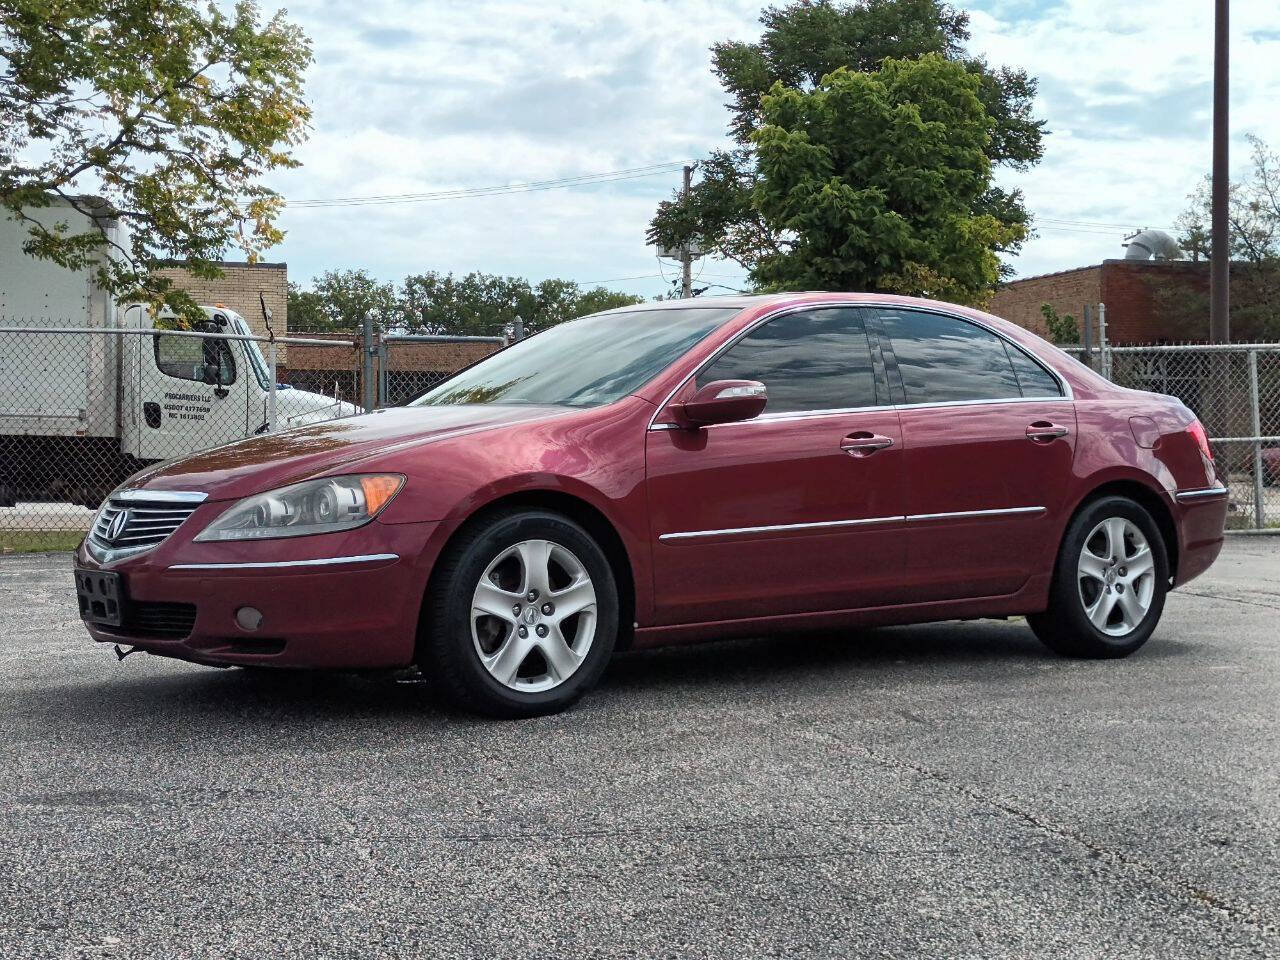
column 1109, row 583
column 522, row 615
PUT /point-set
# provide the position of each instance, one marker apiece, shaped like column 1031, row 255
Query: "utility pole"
column 686, row 254
column 1220, row 256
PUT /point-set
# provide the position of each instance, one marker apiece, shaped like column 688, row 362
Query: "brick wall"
column 238, row 288
column 411, row 367
column 1067, row 291
column 1133, row 291
column 425, row 357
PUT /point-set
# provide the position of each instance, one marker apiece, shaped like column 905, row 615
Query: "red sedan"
column 667, row 473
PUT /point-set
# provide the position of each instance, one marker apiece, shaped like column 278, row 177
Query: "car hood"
column 262, row 463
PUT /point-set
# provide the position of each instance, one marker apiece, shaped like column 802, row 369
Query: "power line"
column 607, row 176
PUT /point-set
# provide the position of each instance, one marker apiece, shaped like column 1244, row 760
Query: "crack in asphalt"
column 1246, row 914
column 1219, row 596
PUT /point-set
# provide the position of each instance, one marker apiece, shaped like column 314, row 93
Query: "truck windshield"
column 582, row 363
column 256, row 359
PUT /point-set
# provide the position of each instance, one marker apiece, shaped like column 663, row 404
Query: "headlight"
column 326, row 505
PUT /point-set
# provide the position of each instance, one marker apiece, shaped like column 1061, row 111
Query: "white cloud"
column 415, row 97
column 1127, row 93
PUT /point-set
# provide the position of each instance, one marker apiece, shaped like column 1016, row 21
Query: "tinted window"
column 1034, row 379
column 187, row 357
column 943, row 359
column 583, row 363
column 815, row 360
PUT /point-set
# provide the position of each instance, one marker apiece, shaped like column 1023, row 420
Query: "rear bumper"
column 353, row 608
column 1201, row 516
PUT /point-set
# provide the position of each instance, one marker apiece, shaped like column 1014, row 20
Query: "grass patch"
column 39, row 541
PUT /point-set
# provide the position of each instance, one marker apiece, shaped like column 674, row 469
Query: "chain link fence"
column 81, row 409
column 409, row 365
column 1235, row 391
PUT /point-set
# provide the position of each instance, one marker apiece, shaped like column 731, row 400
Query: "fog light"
column 249, row 618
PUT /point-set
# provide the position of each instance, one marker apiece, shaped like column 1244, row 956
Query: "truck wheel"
column 521, row 615
column 1109, row 583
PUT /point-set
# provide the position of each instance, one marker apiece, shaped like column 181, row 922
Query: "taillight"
column 1196, row 429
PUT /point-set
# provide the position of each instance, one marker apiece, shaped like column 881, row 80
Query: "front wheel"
column 1109, row 583
column 522, row 615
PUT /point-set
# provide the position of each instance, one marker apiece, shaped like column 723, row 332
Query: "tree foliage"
column 1253, row 226
column 477, row 304
column 1062, row 328
column 803, row 42
column 169, row 111
column 870, row 182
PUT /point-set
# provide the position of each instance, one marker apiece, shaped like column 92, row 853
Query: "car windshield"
column 583, row 363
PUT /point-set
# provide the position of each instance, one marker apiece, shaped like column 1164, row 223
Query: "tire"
column 471, row 645
column 1095, row 611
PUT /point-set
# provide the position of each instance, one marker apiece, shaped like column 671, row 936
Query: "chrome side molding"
column 960, row 514
column 865, row 522
column 1206, row 494
column 279, row 564
column 776, row 527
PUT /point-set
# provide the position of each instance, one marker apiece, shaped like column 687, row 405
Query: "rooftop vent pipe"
column 1152, row 245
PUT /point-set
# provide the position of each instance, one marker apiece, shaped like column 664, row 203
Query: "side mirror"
column 723, row 401
column 212, row 374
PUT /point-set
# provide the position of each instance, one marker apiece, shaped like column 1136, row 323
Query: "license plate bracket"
column 101, row 597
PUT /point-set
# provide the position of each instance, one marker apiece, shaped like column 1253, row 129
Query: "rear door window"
column 1033, row 379
column 944, row 359
column 807, row 360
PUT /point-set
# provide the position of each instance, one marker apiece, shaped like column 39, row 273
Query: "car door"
column 988, row 437
column 180, row 411
column 798, row 510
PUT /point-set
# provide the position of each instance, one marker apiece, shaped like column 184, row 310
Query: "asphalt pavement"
column 950, row 790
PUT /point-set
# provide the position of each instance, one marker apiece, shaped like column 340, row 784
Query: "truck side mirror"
column 212, row 374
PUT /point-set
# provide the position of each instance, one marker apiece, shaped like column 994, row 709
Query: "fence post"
column 1255, row 400
column 1104, row 349
column 1086, row 334
column 271, row 387
column 382, row 372
column 367, row 351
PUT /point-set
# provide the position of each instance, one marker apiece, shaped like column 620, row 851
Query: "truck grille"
column 145, row 524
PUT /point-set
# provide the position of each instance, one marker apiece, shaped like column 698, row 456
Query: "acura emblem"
column 118, row 523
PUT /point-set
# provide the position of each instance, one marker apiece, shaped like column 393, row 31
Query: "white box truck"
column 86, row 398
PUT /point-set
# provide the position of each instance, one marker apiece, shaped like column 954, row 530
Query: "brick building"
column 1148, row 301
column 238, row 288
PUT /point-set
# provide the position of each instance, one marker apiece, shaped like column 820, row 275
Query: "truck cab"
column 198, row 387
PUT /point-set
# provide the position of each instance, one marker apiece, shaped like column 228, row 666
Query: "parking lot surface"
column 950, row 790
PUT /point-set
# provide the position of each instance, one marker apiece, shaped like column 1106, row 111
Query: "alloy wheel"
column 1117, row 576
column 533, row 616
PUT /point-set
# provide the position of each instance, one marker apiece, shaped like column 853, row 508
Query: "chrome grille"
column 146, row 522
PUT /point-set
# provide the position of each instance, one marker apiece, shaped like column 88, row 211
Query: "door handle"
column 1042, row 431
column 863, row 444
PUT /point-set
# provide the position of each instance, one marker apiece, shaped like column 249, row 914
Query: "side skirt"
column 1033, row 597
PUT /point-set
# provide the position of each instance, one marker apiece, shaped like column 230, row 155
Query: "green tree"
column 1253, row 229
column 339, row 302
column 1062, row 328
column 869, row 180
column 480, row 304
column 170, row 111
column 805, row 41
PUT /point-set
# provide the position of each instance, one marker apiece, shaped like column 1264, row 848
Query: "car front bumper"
column 334, row 601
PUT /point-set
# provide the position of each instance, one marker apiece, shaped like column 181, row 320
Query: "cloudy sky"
column 419, row 97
